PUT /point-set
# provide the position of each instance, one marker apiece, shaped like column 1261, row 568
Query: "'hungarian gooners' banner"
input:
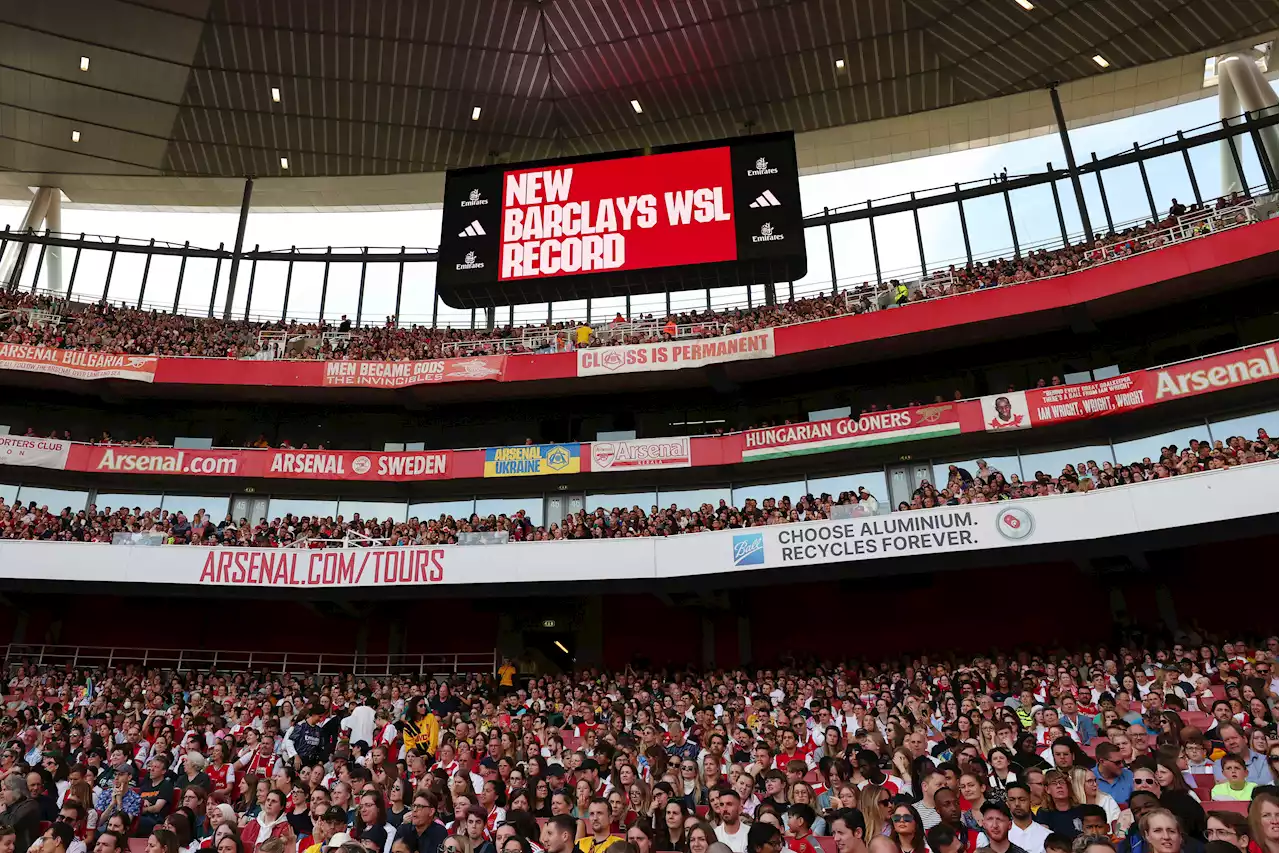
column 675, row 355
column 843, row 433
column 77, row 364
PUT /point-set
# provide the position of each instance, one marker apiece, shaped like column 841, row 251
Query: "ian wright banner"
column 401, row 374
column 77, row 364
column 675, row 355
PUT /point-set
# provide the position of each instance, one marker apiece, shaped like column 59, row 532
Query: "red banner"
column 1215, row 372
column 77, row 364
column 401, row 374
column 273, row 464
column 614, row 215
column 1063, row 403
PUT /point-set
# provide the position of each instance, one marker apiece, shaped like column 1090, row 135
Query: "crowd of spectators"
column 985, row 484
column 1156, row 746
column 106, row 328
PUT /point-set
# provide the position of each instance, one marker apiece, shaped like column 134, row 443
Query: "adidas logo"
column 766, row 199
column 472, row 230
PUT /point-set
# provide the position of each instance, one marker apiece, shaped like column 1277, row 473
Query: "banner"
column 402, row 374
column 34, row 452
column 1215, row 372
column 675, row 355
column 1062, row 403
column 1005, row 412
column 272, row 464
column 1193, row 500
column 843, row 433
column 358, row 465
column 77, row 364
column 532, row 459
column 636, row 453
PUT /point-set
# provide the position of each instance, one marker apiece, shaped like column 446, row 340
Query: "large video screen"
column 712, row 215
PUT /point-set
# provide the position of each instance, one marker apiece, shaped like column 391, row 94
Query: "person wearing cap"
column 330, row 825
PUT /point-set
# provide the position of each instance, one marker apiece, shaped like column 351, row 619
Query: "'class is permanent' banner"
column 77, row 364
column 843, row 433
column 401, row 374
column 675, row 355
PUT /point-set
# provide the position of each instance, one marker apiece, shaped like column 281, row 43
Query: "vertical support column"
column 1229, row 111
column 182, row 273
column 473, row 319
column 435, row 308
column 831, row 250
column 588, row 310
column 1268, row 169
column 239, row 247
column 708, row 292
column 1072, row 170
column 399, row 287
column 288, row 284
column 1013, row 227
column 324, row 283
column 1102, row 193
column 770, row 293
column 511, row 315
column 146, row 273
column 915, row 218
column 875, row 246
column 1146, row 184
column 53, row 223
column 217, row 273
column 253, row 276
column 667, row 295
column 628, row 314
column 548, row 313
column 75, row 267
column 364, row 267
column 111, row 267
column 1057, row 206
column 35, row 279
column 1191, row 173
column 491, row 318
column 964, row 230
column 791, row 291
column 1235, row 159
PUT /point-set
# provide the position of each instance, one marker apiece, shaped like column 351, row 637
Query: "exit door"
column 251, row 507
column 905, row 479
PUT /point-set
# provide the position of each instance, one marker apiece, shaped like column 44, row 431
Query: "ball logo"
column 558, row 458
column 612, row 359
column 361, row 465
column 766, row 234
column 762, row 168
column 474, row 199
column 1015, row 523
column 748, row 549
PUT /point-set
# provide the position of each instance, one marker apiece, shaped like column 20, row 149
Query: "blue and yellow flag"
column 533, row 459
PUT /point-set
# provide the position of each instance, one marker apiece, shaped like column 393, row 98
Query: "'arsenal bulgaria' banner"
column 77, row 364
column 401, row 374
column 34, row 452
column 675, row 355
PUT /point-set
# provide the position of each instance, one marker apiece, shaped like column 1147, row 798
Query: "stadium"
column 543, row 426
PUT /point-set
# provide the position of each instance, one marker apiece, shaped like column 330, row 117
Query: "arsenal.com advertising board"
column 626, row 222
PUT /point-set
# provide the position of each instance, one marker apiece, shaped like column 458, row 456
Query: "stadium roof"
column 228, row 88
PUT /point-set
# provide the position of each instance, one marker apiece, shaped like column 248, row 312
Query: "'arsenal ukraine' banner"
column 401, row 374
column 675, row 355
column 77, row 364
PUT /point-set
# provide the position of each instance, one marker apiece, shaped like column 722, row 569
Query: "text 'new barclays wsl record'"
column 715, row 214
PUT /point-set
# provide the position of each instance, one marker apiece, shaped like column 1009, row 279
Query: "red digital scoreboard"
column 718, row 214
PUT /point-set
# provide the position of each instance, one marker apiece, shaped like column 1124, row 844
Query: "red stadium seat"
column 825, row 843
column 703, row 811
column 1237, row 806
column 137, row 845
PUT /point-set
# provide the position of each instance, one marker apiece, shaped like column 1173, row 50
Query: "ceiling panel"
column 388, row 86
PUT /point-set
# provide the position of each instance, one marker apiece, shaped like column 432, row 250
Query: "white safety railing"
column 424, row 665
